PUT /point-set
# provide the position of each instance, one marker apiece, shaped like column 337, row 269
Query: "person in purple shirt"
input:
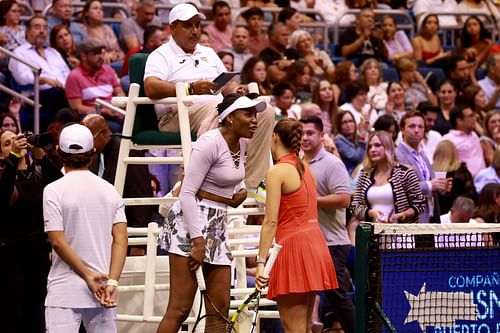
column 195, row 231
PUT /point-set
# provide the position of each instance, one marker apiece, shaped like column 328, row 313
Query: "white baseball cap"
column 243, row 102
column 76, row 139
column 183, row 12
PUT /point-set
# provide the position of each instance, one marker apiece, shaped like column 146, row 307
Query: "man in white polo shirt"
column 85, row 221
column 182, row 59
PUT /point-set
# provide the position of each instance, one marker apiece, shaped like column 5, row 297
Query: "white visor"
column 243, row 102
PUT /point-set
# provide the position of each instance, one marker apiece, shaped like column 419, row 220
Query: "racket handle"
column 272, row 258
column 200, row 279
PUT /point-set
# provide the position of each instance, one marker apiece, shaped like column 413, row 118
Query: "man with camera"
column 24, row 250
column 182, row 59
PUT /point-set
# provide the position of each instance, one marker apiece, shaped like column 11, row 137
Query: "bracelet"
column 111, row 282
column 18, row 155
column 260, row 260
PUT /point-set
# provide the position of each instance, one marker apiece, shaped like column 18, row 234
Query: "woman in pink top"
column 195, row 231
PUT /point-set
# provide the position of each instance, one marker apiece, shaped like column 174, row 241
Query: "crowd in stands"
column 397, row 108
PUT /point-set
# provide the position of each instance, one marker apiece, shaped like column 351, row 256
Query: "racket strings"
column 213, row 321
column 210, row 323
column 241, row 321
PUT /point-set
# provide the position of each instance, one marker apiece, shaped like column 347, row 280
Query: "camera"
column 38, row 140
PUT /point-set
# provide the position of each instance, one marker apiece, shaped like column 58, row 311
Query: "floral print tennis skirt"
column 174, row 236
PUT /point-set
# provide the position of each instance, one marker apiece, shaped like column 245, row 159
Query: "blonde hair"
column 364, row 67
column 386, row 140
column 406, row 64
column 445, row 157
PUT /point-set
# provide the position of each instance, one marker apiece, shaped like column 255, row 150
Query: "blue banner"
column 442, row 290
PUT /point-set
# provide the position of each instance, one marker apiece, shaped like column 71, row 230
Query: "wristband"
column 18, row 155
column 260, row 260
column 111, row 282
column 191, row 89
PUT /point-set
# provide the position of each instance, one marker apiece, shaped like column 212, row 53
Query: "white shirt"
column 380, row 93
column 333, row 10
column 170, row 63
column 489, row 86
column 357, row 115
column 429, row 144
column 428, row 6
column 53, row 65
column 85, row 208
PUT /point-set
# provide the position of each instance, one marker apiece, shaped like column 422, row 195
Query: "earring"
column 231, row 122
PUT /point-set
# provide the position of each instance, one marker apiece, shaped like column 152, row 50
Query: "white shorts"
column 175, row 238
column 68, row 320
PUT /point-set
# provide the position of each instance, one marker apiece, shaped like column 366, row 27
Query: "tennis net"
column 428, row 278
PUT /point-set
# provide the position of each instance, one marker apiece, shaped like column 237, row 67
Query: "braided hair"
column 290, row 134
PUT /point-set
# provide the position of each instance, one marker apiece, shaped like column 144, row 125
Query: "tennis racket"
column 212, row 321
column 254, row 296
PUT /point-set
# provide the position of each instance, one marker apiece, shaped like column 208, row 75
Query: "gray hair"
column 295, row 36
column 464, row 205
column 492, row 61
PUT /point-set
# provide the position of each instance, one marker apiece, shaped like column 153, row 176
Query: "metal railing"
column 409, row 26
column 489, row 25
column 149, row 237
column 35, row 102
column 122, row 8
column 207, row 10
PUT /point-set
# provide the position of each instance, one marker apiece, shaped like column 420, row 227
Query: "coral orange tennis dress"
column 304, row 263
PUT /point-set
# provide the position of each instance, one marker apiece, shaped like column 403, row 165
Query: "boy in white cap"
column 183, row 59
column 85, row 221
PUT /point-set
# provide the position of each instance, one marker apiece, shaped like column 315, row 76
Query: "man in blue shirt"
column 62, row 12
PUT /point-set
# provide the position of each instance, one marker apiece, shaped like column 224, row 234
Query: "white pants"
column 68, row 320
